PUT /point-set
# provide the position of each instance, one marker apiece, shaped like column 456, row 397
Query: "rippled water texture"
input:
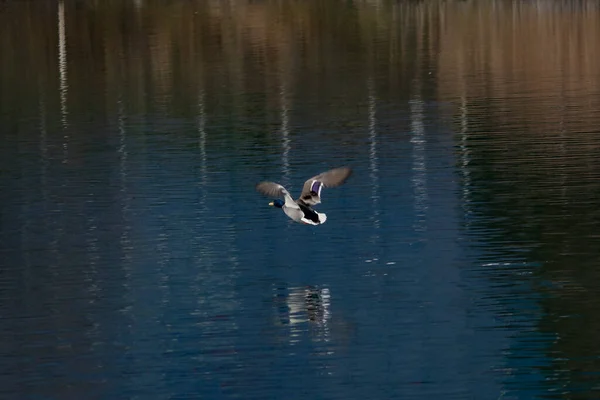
column 460, row 260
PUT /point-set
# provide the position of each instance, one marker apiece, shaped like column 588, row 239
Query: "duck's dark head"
column 277, row 203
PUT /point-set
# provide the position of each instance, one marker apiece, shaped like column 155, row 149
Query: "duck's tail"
column 322, row 218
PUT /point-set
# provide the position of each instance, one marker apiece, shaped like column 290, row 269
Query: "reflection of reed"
column 122, row 150
column 62, row 69
column 419, row 162
column 373, row 159
column 60, row 230
column 284, row 72
column 465, row 157
column 125, row 239
column 285, row 133
column 201, row 121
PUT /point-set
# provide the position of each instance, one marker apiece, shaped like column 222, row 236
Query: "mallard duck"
column 301, row 210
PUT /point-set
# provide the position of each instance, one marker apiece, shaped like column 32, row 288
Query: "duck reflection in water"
column 299, row 305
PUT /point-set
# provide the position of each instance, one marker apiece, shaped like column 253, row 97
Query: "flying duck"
column 301, row 210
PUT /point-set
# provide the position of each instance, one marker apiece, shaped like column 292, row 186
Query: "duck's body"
column 301, row 210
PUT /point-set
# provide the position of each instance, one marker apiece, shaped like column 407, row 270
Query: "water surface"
column 458, row 262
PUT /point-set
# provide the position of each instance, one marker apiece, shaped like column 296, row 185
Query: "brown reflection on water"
column 525, row 79
column 161, row 52
column 535, row 65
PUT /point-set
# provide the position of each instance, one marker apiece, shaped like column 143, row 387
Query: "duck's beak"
column 271, row 204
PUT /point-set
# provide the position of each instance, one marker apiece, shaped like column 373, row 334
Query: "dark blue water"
column 138, row 261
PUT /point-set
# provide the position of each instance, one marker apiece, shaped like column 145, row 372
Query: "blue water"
column 153, row 269
column 137, row 260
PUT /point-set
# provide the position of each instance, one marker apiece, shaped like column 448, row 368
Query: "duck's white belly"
column 294, row 213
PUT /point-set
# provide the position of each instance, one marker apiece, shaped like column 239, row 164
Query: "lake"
column 459, row 261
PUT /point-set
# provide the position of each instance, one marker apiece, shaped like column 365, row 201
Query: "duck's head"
column 277, row 203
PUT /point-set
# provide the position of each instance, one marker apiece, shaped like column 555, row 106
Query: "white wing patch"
column 322, row 217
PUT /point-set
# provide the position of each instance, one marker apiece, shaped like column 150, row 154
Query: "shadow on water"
column 458, row 262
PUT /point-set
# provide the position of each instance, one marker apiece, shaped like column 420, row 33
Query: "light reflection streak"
column 419, row 162
column 373, row 157
column 284, row 103
column 465, row 156
column 201, row 121
column 285, row 133
column 202, row 255
column 62, row 69
column 125, row 239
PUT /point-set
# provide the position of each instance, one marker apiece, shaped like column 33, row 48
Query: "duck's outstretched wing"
column 275, row 190
column 311, row 192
